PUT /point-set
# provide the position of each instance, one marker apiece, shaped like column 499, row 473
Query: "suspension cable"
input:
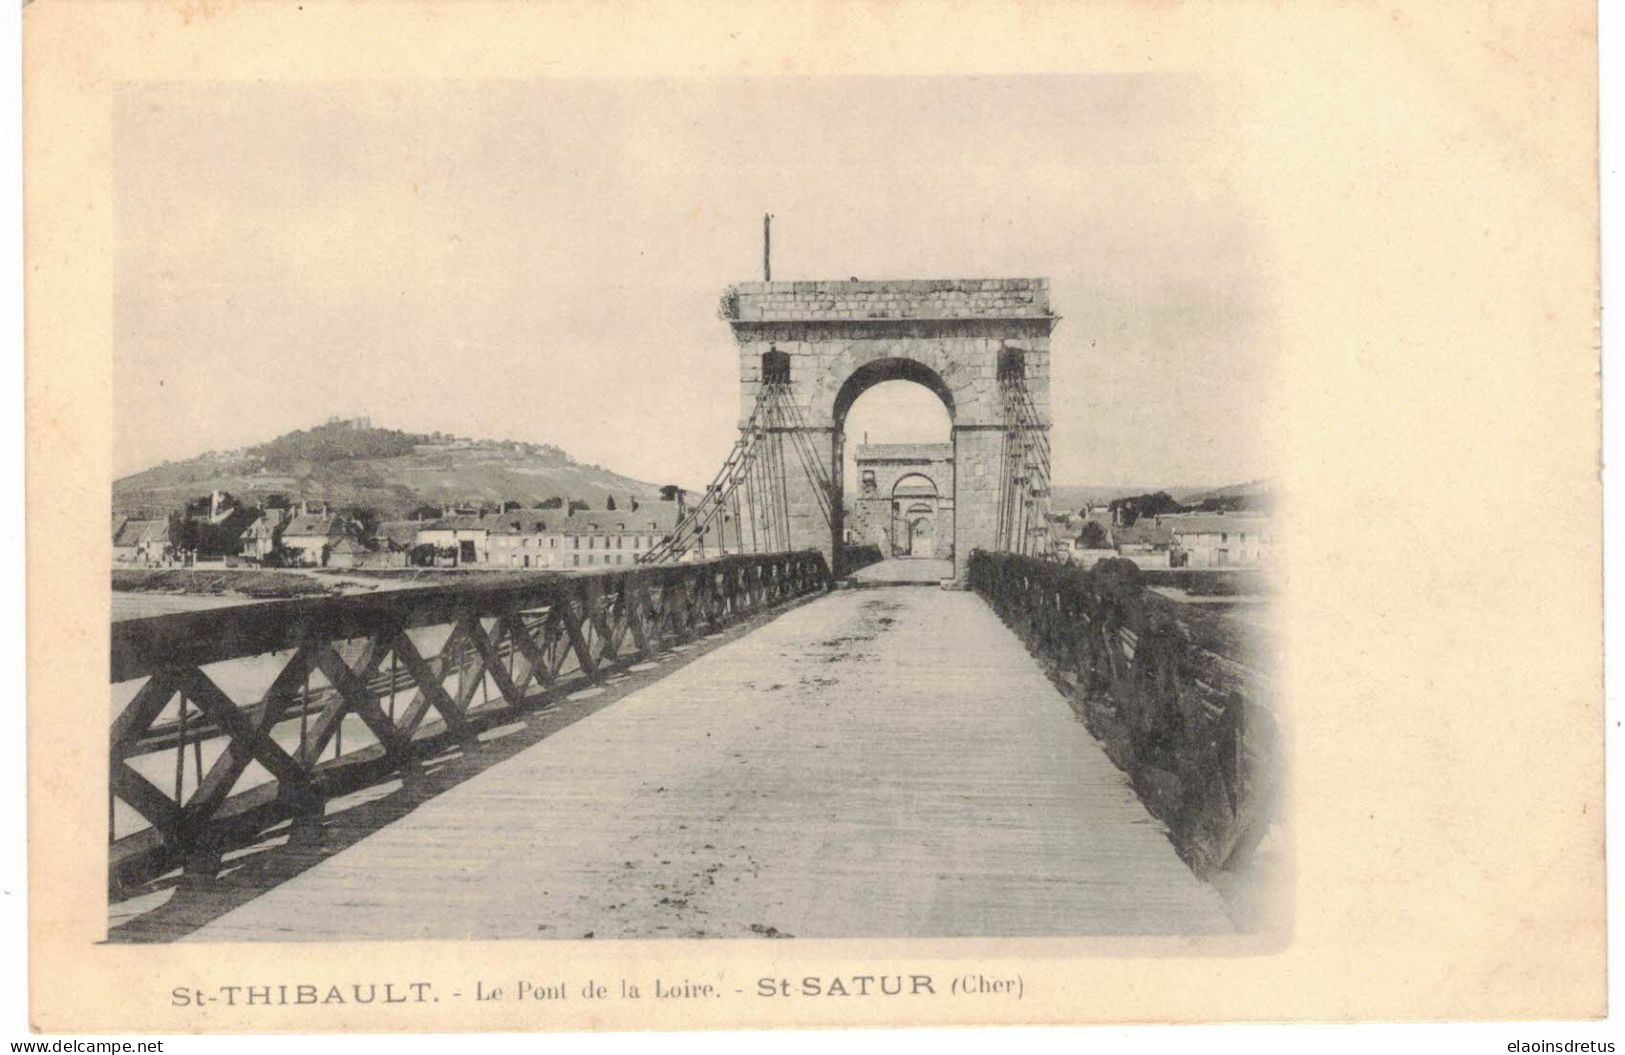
column 758, row 464
column 698, row 519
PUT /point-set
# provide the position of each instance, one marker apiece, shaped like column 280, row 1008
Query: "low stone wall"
column 220, row 581
column 1178, row 696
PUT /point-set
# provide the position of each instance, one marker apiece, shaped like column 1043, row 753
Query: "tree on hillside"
column 1129, row 510
column 336, row 441
column 1093, row 536
column 554, row 502
column 670, row 492
column 424, row 512
column 1234, row 503
column 577, row 505
column 510, row 506
column 609, row 503
column 192, row 528
column 365, row 518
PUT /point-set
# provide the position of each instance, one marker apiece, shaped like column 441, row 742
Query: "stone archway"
column 919, row 531
column 917, row 507
column 829, row 342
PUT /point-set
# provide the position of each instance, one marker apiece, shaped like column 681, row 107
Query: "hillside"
column 352, row 464
column 1076, row 496
column 1254, row 494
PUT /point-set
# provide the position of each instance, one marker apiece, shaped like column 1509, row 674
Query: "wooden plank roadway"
column 898, row 570
column 884, row 762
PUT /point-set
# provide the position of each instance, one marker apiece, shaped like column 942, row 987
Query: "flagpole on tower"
column 767, row 247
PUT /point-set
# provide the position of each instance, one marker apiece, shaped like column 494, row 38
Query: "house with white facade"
column 1221, row 540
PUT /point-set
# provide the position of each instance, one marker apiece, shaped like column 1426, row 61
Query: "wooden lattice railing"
column 1178, row 695
column 230, row 721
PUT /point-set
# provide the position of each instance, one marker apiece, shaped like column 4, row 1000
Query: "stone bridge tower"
column 832, row 341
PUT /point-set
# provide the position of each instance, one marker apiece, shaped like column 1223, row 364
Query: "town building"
column 262, row 537
column 1221, row 540
column 598, row 537
column 309, row 538
column 459, row 539
column 525, row 538
column 142, row 541
column 1147, row 542
column 398, row 536
column 346, row 552
column 549, row 538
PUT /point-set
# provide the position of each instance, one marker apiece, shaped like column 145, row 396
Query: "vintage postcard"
column 715, row 516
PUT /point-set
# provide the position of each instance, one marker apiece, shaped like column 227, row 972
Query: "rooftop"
column 1214, row 523
column 649, row 516
column 135, row 532
column 307, row 524
column 399, row 532
column 1143, row 532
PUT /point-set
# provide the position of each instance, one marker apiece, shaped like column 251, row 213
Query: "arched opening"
column 898, row 415
column 914, row 485
column 915, row 505
column 1012, row 364
column 918, row 531
column 775, row 367
column 877, row 371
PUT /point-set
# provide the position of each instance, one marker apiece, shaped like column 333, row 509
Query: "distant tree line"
column 1160, row 503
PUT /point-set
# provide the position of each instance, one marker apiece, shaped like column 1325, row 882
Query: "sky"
column 542, row 260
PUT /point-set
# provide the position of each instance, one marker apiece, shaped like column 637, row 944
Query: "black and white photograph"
column 527, row 527
column 864, row 515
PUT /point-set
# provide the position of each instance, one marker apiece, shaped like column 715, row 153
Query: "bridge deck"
column 900, row 570
column 879, row 762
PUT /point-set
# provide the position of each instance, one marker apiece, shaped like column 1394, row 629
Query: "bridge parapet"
column 234, row 719
column 1178, row 695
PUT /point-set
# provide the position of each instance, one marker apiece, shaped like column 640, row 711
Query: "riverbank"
column 258, row 584
column 139, row 592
